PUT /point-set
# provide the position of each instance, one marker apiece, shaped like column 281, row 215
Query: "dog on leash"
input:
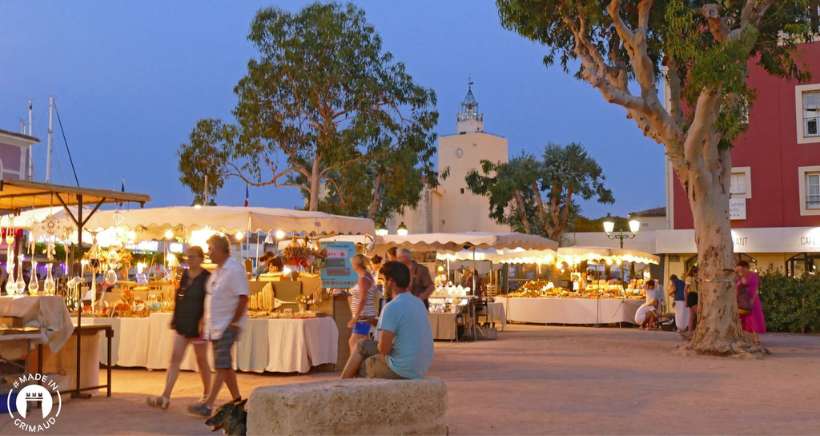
column 230, row 418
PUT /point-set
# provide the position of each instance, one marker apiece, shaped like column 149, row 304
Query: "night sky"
column 131, row 78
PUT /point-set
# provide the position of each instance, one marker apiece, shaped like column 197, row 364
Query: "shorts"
column 222, row 349
column 361, row 328
column 374, row 364
column 692, row 299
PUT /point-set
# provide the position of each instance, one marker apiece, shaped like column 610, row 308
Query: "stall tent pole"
column 76, row 393
column 80, row 221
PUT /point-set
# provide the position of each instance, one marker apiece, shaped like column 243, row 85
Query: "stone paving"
column 537, row 380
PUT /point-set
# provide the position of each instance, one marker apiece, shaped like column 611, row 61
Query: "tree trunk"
column 718, row 330
column 315, row 184
column 376, row 201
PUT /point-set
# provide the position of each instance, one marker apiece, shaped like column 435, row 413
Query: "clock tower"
column 451, row 207
column 459, row 209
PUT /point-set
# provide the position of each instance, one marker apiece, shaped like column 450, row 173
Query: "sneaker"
column 200, row 410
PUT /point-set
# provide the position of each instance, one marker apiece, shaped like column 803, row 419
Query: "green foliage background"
column 791, row 304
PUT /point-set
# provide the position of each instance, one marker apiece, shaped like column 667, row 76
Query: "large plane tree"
column 624, row 48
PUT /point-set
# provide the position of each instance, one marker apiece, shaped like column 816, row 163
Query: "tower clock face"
column 459, row 152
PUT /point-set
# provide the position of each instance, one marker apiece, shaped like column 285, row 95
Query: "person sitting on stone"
column 405, row 349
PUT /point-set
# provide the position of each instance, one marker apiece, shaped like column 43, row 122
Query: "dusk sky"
column 131, row 79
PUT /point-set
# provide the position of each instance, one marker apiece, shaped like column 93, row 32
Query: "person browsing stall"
column 405, row 350
column 421, row 283
column 363, row 302
column 226, row 313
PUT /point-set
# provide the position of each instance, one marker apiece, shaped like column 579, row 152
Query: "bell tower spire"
column 469, row 119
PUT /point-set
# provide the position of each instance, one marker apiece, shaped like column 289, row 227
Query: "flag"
column 122, row 189
column 247, row 196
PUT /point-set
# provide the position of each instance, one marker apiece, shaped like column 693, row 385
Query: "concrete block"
column 357, row 406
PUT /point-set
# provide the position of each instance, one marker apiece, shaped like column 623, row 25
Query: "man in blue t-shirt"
column 405, row 349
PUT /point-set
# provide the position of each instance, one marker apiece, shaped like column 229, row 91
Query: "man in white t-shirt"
column 226, row 312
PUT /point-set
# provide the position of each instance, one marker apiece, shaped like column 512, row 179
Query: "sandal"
column 158, row 402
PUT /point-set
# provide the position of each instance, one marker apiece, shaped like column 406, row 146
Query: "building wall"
column 461, row 210
column 13, row 159
column 770, row 148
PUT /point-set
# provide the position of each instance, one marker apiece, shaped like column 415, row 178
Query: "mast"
column 30, row 147
column 50, row 138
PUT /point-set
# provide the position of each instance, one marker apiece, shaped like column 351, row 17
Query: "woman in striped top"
column 363, row 301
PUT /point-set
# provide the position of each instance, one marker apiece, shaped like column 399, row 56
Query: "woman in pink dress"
column 753, row 321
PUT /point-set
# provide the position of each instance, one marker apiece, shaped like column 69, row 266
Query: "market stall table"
column 266, row 345
column 444, row 326
column 581, row 311
column 496, row 314
column 48, row 313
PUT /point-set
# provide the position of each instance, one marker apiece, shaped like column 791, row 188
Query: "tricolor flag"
column 247, row 196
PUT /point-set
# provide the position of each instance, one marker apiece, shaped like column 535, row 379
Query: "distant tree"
column 202, row 160
column 538, row 196
column 325, row 109
column 621, row 47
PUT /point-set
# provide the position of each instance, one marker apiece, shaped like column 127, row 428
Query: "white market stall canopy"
column 154, row 222
column 518, row 256
column 455, row 242
column 575, row 255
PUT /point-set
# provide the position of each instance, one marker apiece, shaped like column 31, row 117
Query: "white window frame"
column 799, row 90
column 801, row 174
column 746, row 171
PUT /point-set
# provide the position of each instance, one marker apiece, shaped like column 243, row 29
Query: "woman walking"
column 363, row 301
column 747, row 284
column 190, row 298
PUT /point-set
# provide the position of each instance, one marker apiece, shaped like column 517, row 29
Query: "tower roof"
column 469, row 107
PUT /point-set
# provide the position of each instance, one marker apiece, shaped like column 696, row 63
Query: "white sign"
column 737, row 208
column 35, row 409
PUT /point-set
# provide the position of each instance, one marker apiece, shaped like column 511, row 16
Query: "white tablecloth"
column 496, row 314
column 274, row 345
column 570, row 310
column 443, row 326
column 48, row 312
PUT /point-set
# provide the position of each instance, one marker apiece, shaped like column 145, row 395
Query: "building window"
column 462, row 190
column 809, row 180
column 811, row 113
column 740, row 184
column 812, row 190
column 807, row 100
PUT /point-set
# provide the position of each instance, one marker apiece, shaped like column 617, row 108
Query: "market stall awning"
column 18, row 195
column 576, row 254
column 153, row 222
column 455, row 242
column 517, row 256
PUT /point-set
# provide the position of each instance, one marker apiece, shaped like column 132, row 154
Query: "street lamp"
column 402, row 230
column 381, row 230
column 609, row 228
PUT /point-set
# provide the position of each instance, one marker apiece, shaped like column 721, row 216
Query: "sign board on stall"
column 338, row 270
column 737, row 208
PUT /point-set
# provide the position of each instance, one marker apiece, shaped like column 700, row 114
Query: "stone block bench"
column 356, row 406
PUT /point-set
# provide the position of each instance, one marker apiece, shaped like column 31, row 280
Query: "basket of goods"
column 303, row 256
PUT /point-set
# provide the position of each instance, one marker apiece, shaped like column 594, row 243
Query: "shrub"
column 791, row 304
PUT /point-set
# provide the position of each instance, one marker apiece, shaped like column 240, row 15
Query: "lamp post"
column 609, row 228
column 402, row 230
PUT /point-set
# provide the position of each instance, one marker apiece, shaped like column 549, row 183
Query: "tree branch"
column 235, row 171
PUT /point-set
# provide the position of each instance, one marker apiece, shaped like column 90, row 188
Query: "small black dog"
column 230, row 418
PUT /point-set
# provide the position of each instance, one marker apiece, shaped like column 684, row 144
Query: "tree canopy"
column 325, row 109
column 702, row 49
column 539, row 195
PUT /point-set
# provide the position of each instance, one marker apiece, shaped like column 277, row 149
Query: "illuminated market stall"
column 589, row 286
column 453, row 305
column 132, row 267
column 36, row 314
